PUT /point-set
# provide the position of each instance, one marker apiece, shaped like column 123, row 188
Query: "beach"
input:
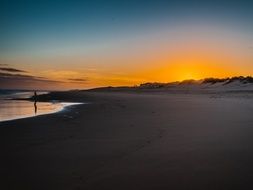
column 131, row 140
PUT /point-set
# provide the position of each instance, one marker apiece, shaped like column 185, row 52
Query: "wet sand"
column 132, row 141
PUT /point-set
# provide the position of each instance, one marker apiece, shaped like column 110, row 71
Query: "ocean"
column 15, row 109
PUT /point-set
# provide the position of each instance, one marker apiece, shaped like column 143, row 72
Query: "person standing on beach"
column 35, row 95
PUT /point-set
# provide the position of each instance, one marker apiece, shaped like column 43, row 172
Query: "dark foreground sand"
column 132, row 142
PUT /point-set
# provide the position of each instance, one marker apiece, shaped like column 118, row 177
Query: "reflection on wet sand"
column 35, row 102
column 14, row 109
column 35, row 107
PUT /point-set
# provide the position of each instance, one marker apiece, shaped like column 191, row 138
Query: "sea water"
column 15, row 109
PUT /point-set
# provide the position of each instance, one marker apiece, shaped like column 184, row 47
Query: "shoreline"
column 62, row 106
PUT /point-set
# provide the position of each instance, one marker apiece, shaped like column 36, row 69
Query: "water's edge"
column 62, row 106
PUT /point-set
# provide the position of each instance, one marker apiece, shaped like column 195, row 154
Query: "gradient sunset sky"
column 73, row 44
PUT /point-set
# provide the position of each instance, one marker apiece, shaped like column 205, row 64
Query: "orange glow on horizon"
column 192, row 64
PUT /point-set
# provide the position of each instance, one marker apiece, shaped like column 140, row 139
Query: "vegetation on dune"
column 223, row 81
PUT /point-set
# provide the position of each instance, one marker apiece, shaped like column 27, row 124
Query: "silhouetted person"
column 35, row 102
column 35, row 96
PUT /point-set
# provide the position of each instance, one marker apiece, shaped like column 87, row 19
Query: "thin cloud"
column 24, row 81
column 77, row 80
column 20, row 77
column 12, row 70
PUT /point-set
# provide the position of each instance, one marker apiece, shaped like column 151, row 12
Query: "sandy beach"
column 132, row 141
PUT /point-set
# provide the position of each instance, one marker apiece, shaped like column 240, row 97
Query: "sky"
column 71, row 44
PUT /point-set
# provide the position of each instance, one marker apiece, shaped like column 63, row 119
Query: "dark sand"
column 130, row 141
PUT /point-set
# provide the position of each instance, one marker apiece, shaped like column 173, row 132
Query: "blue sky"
column 31, row 25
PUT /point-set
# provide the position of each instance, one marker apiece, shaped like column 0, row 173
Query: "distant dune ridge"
column 207, row 82
column 239, row 83
column 241, row 79
column 232, row 83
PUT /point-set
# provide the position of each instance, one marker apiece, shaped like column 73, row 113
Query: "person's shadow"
column 35, row 102
column 35, row 107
